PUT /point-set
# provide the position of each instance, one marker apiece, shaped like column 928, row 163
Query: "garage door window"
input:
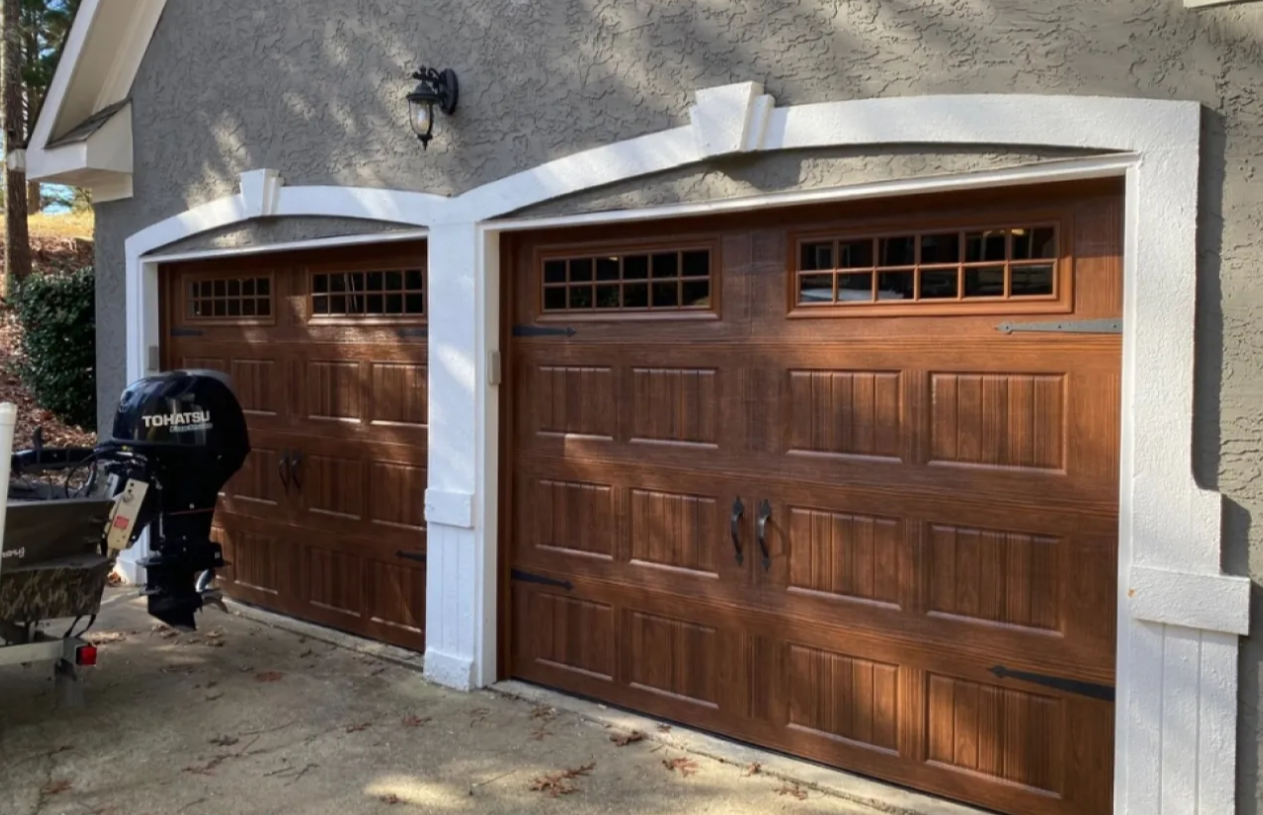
column 230, row 298
column 393, row 293
column 664, row 280
column 1001, row 264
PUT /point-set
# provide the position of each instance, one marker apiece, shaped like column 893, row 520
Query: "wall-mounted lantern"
column 434, row 87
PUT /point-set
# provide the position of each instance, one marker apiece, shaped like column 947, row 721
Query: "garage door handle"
column 765, row 513
column 282, row 469
column 738, row 509
column 295, row 461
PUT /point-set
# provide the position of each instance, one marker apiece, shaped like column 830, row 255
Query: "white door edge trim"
column 1177, row 673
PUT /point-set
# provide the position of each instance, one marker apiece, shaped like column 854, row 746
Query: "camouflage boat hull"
column 68, row 587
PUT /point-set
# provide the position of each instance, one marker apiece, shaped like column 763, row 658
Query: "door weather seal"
column 542, row 331
column 1090, row 689
column 527, row 577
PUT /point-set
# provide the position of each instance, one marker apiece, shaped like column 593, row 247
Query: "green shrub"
column 58, row 318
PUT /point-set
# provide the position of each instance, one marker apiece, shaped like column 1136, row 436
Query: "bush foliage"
column 58, row 318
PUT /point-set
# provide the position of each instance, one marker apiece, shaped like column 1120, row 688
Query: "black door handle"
column 765, row 512
column 282, row 469
column 295, row 461
column 738, row 509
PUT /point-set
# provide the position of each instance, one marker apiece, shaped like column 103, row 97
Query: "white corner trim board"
column 1179, row 617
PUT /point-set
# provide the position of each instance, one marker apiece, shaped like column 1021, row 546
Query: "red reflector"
column 85, row 655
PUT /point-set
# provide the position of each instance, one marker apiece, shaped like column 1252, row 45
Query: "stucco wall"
column 314, row 88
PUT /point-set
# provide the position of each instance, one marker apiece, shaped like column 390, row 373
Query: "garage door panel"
column 937, row 497
column 325, row 520
column 672, row 537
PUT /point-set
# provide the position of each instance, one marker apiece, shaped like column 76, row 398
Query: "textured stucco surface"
column 313, row 89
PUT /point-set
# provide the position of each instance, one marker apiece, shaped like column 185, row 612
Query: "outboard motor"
column 182, row 435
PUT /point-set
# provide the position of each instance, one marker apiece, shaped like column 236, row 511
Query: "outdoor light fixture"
column 434, row 87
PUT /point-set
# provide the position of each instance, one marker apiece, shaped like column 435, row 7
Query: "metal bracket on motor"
column 1065, row 327
column 123, row 517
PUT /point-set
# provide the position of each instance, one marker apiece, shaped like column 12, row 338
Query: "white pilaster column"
column 460, row 501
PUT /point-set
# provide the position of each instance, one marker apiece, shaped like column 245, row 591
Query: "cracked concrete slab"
column 246, row 718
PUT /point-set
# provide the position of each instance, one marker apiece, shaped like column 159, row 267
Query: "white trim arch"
column 1179, row 616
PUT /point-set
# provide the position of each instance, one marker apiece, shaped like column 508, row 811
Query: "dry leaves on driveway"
column 268, row 676
column 624, row 739
column 561, row 783
column 681, row 764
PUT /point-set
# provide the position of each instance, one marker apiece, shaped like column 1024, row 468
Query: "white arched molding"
column 1179, row 617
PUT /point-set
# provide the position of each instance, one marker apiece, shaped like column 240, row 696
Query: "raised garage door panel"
column 325, row 520
column 932, row 598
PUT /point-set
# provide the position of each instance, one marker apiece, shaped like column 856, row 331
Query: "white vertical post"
column 8, row 421
column 460, row 585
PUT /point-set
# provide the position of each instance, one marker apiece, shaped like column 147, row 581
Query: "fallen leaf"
column 792, row 789
column 560, row 783
column 210, row 697
column 356, row 728
column 415, row 721
column 211, row 684
column 685, row 766
column 268, row 676
column 624, row 739
column 664, row 728
column 206, row 768
column 106, row 637
column 224, row 741
column 391, row 799
column 753, row 768
column 307, row 653
column 540, row 733
column 54, row 787
column 543, row 712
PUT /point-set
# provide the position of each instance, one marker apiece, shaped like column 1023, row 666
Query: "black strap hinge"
column 417, row 556
column 527, row 577
column 1090, row 689
column 542, row 331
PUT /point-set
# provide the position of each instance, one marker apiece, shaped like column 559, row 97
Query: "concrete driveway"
column 243, row 717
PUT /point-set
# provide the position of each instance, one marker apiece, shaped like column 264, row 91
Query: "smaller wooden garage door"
column 781, row 476
column 327, row 353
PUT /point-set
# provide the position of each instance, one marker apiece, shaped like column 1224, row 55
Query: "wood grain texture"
column 346, row 399
column 939, row 499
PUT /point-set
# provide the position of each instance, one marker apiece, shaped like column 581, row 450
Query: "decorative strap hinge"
column 527, row 577
column 1065, row 327
column 542, row 331
column 1090, row 689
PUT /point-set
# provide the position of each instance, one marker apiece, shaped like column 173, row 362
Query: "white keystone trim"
column 1179, row 616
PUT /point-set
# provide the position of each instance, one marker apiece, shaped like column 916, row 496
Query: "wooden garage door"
column 328, row 356
column 782, row 477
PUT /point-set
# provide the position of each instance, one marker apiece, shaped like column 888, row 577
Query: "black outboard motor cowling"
column 183, row 433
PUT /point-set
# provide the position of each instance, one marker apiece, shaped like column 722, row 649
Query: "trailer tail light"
column 85, row 655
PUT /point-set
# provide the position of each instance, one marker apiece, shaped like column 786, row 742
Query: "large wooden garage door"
column 328, row 357
column 782, row 477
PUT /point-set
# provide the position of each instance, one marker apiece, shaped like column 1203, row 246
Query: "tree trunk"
column 34, row 197
column 17, row 241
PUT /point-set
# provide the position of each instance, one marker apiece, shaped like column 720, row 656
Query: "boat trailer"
column 176, row 440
